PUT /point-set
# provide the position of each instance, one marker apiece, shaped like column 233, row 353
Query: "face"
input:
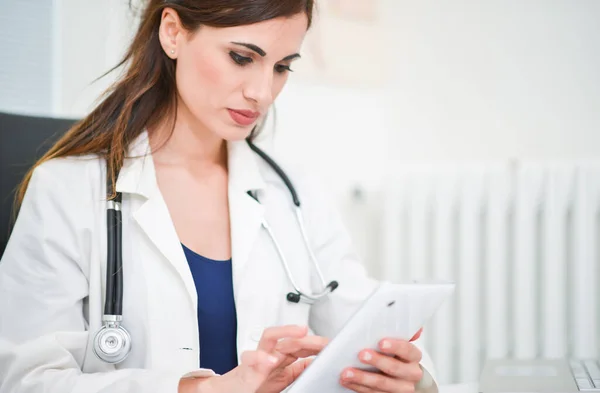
column 227, row 78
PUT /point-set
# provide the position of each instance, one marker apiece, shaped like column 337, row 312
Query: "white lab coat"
column 52, row 275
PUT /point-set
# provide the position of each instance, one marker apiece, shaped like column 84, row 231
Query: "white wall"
column 490, row 80
column 468, row 81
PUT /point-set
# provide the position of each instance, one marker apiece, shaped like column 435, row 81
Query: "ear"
column 170, row 32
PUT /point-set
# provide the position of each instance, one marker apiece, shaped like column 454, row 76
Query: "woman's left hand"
column 398, row 364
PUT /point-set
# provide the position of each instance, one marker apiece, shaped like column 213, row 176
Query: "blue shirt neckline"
column 203, row 258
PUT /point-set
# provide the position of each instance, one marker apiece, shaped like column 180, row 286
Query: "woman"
column 203, row 283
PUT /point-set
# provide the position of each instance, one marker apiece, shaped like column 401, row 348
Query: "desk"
column 471, row 387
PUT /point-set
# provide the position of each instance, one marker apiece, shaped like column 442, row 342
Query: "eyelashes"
column 283, row 68
column 243, row 60
column 239, row 59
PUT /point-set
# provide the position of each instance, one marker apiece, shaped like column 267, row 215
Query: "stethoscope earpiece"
column 293, row 297
column 310, row 299
column 112, row 344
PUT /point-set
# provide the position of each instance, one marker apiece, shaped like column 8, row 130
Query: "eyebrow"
column 291, row 57
column 262, row 53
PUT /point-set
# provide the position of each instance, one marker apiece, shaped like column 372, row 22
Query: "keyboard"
column 586, row 374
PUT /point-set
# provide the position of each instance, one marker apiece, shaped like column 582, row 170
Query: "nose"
column 260, row 89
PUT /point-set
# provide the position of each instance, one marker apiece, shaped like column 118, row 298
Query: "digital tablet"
column 392, row 310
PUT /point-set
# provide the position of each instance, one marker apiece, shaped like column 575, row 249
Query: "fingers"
column 260, row 363
column 392, row 366
column 259, row 360
column 272, row 335
column 299, row 366
column 399, row 367
column 366, row 382
column 291, row 349
column 403, row 350
column 255, row 367
column 302, row 347
column 358, row 388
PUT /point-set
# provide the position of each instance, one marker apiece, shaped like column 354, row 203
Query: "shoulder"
column 70, row 169
column 316, row 196
column 68, row 178
column 67, row 167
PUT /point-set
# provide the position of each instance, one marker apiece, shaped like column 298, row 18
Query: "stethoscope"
column 112, row 343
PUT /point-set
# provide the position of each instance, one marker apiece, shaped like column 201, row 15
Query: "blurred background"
column 461, row 140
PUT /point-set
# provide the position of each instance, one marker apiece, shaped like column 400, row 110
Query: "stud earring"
column 172, row 51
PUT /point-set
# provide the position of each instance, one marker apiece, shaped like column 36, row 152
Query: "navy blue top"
column 217, row 322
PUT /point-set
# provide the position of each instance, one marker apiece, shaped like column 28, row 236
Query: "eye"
column 280, row 68
column 239, row 59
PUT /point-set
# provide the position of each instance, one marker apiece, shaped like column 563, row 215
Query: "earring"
column 172, row 51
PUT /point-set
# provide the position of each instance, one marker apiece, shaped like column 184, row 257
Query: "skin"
column 192, row 166
column 214, row 73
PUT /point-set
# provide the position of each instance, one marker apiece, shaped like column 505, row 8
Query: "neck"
column 189, row 143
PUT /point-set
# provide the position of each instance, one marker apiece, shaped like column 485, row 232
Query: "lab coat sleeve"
column 340, row 262
column 43, row 287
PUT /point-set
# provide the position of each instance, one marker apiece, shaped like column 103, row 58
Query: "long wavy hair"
column 147, row 93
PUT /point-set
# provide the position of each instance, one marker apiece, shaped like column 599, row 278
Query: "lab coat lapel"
column 138, row 177
column 155, row 220
column 246, row 214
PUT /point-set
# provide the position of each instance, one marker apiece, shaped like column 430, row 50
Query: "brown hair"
column 146, row 93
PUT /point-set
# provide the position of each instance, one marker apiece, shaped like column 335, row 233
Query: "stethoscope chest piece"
column 112, row 343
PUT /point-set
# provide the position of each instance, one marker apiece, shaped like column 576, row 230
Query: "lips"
column 243, row 117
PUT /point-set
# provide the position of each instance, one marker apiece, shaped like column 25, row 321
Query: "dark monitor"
column 23, row 140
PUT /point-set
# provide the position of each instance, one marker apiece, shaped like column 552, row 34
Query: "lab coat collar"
column 138, row 177
column 244, row 170
column 138, row 174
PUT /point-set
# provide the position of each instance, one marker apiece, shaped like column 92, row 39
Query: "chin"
column 235, row 133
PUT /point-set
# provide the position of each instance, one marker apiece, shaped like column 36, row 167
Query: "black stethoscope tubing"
column 112, row 342
column 114, row 265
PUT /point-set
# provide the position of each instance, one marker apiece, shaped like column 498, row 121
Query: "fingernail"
column 386, row 345
column 273, row 359
column 366, row 356
column 348, row 374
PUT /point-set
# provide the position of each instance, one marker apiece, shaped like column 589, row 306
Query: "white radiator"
column 522, row 243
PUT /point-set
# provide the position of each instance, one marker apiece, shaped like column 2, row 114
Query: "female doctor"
column 157, row 249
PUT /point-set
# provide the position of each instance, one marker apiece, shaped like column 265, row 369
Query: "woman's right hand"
column 271, row 367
